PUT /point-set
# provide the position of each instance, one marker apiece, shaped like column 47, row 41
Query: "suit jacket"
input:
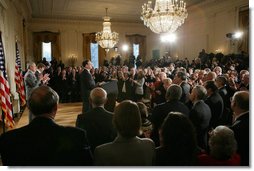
column 200, row 116
column 185, row 92
column 216, row 105
column 241, row 130
column 87, row 83
column 125, row 152
column 31, row 82
column 44, row 143
column 98, row 125
column 161, row 111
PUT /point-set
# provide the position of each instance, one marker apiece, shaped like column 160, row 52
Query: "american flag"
column 19, row 78
column 5, row 90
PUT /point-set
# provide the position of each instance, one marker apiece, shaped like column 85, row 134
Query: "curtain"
column 89, row 38
column 244, row 26
column 46, row 36
column 137, row 39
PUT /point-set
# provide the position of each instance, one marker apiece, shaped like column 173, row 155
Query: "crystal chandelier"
column 106, row 39
column 166, row 16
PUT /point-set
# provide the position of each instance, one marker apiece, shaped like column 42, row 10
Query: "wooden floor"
column 66, row 115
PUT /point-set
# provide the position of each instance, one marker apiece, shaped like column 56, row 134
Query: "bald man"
column 98, row 121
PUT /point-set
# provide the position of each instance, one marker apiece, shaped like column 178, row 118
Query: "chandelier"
column 106, row 39
column 166, row 16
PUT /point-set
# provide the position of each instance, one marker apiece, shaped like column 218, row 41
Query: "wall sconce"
column 72, row 60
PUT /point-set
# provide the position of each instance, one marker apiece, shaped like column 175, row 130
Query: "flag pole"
column 3, row 119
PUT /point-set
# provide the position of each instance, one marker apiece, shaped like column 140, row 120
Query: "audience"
column 127, row 149
column 178, row 142
column 42, row 142
column 221, row 75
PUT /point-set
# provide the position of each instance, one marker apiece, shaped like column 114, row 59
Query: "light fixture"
column 166, row 16
column 125, row 47
column 106, row 39
column 168, row 38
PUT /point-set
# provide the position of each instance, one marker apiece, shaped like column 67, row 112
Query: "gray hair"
column 222, row 143
column 200, row 92
column 98, row 96
column 174, row 92
column 29, row 64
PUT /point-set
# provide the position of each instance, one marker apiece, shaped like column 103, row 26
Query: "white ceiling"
column 118, row 10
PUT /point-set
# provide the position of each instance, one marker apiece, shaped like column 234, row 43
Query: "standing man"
column 241, row 128
column 98, row 121
column 87, row 83
column 200, row 115
column 31, row 82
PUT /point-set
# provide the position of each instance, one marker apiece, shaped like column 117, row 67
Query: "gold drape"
column 137, row 39
column 89, row 38
column 244, row 26
column 46, row 36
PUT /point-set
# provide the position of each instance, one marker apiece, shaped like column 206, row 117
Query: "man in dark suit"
column 97, row 122
column 173, row 104
column 240, row 107
column 215, row 102
column 200, row 115
column 43, row 142
column 181, row 79
column 87, row 83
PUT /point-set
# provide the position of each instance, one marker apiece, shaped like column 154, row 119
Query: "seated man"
column 43, row 142
column 98, row 121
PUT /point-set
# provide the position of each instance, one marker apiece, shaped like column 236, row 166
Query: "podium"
column 110, row 87
column 112, row 90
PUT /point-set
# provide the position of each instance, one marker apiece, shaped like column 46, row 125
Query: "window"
column 135, row 50
column 46, row 51
column 94, row 54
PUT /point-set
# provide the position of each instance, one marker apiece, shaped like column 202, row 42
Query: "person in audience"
column 211, row 76
column 200, row 115
column 159, row 90
column 226, row 118
column 98, row 121
column 215, row 102
column 181, row 79
column 240, row 126
column 65, row 87
column 43, row 142
column 146, row 125
column 127, row 149
column 87, row 83
column 40, row 73
column 31, row 82
column 222, row 145
column 139, row 83
column 173, row 104
column 178, row 142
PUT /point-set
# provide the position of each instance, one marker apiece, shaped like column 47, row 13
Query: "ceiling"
column 118, row 10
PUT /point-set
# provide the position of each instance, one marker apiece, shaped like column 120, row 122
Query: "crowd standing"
column 174, row 113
